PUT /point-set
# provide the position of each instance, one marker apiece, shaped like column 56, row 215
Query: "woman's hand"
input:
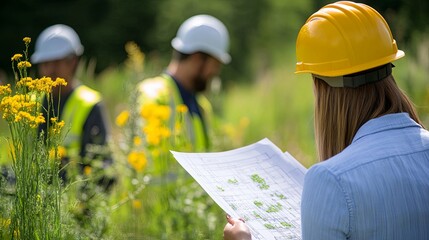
column 236, row 229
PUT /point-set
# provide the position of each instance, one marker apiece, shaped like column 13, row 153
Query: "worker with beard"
column 200, row 48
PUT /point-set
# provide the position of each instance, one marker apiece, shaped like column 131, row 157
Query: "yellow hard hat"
column 344, row 38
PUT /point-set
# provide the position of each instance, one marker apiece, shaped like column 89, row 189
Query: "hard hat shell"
column 203, row 33
column 344, row 38
column 56, row 42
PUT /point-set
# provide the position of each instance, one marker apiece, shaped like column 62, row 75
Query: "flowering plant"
column 35, row 211
column 156, row 187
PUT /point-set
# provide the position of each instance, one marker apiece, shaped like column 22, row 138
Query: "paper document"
column 257, row 182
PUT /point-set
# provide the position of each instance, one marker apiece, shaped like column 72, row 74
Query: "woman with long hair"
column 373, row 178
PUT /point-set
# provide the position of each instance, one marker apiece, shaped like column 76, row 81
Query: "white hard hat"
column 203, row 33
column 56, row 42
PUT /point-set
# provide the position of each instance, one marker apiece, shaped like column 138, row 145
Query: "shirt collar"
column 386, row 122
column 188, row 98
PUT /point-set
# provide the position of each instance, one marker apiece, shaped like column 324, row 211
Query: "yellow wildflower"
column 162, row 112
column 24, row 115
column 24, row 64
column 18, row 118
column 16, row 57
column 43, row 84
column 5, row 89
column 137, row 204
column 135, row 60
column 152, row 110
column 137, row 141
column 153, row 139
column 152, row 132
column 59, row 82
column 137, row 159
column 56, row 126
column 18, row 108
column 26, row 40
column 122, row 118
column 57, row 153
column 182, row 108
column 165, row 132
column 152, row 124
column 35, row 121
column 27, row 81
column 61, row 124
column 40, row 119
column 61, row 151
column 87, row 170
column 147, row 110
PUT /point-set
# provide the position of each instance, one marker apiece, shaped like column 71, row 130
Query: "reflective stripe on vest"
column 74, row 114
column 163, row 90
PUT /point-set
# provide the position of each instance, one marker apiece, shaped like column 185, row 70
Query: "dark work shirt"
column 188, row 98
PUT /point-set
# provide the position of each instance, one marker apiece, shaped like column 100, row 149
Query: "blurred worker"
column 57, row 52
column 373, row 182
column 200, row 49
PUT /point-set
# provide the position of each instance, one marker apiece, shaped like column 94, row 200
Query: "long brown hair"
column 340, row 112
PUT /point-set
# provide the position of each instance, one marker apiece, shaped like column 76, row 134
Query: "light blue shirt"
column 377, row 188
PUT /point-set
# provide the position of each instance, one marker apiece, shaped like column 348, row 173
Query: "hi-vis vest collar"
column 163, row 89
column 75, row 112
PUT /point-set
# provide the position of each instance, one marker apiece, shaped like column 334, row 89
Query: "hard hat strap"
column 358, row 79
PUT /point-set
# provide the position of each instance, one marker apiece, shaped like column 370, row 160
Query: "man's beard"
column 200, row 83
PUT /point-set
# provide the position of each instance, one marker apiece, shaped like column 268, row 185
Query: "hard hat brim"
column 178, row 45
column 39, row 57
column 321, row 70
column 56, row 42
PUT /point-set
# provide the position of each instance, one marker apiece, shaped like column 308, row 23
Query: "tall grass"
column 35, row 199
column 276, row 104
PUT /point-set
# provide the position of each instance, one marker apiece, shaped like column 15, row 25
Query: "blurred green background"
column 260, row 95
column 258, row 85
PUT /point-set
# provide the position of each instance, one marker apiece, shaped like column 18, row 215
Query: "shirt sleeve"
column 324, row 209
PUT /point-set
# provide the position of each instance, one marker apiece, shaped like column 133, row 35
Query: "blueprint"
column 258, row 183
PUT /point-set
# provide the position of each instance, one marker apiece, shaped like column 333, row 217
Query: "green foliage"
column 34, row 202
column 263, row 98
column 404, row 17
column 105, row 26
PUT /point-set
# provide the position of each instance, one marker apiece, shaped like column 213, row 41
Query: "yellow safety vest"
column 75, row 112
column 163, row 90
